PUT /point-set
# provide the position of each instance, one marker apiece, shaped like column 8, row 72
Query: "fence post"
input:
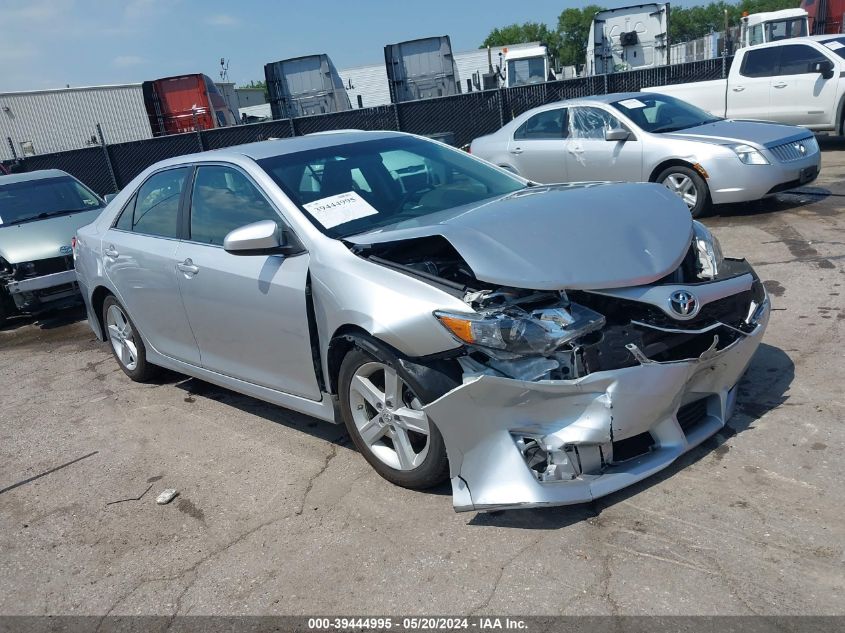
column 501, row 107
column 605, row 82
column 12, row 147
column 724, row 61
column 197, row 130
column 396, row 117
column 292, row 127
column 108, row 158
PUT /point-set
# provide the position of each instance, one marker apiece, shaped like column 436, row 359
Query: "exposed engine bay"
column 559, row 335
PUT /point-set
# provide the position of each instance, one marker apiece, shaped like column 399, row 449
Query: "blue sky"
column 52, row 43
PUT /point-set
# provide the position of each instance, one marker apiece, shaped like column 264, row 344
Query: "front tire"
column 689, row 186
column 385, row 420
column 126, row 344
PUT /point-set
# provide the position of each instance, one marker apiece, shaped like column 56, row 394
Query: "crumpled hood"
column 562, row 236
column 41, row 239
column 730, row 131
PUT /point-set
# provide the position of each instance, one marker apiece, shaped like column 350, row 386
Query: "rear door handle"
column 111, row 252
column 516, row 150
column 780, row 85
column 188, row 267
column 739, row 88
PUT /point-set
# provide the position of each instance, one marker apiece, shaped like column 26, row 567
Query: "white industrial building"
column 44, row 121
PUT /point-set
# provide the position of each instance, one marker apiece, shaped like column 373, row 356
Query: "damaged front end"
column 571, row 395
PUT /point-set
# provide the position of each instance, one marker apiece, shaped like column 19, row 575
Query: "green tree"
column 573, row 29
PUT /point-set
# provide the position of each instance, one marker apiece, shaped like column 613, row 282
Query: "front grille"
column 47, row 267
column 788, row 152
column 692, row 414
column 730, row 310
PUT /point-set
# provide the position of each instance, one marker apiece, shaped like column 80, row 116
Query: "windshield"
column 837, row 45
column 526, row 71
column 661, row 113
column 359, row 187
column 44, row 197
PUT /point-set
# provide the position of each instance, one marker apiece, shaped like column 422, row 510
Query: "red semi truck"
column 826, row 16
column 184, row 104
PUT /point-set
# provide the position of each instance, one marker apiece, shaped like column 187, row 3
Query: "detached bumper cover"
column 481, row 420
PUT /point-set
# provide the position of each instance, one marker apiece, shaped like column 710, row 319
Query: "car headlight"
column 519, row 332
column 749, row 155
column 707, row 250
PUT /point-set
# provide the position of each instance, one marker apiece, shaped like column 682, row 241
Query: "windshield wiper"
column 49, row 214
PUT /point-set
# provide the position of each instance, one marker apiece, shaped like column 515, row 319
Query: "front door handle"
column 111, row 252
column 739, row 88
column 516, row 150
column 781, row 85
column 188, row 267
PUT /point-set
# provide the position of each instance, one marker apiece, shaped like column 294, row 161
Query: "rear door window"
column 154, row 210
column 550, row 124
column 761, row 63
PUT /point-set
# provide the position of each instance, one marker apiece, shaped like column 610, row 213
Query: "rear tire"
column 688, row 185
column 384, row 418
column 125, row 342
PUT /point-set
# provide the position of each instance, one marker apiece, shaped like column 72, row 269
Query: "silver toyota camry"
column 537, row 345
column 646, row 137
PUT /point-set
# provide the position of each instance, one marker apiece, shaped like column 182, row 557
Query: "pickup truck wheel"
column 386, row 422
column 688, row 186
column 126, row 343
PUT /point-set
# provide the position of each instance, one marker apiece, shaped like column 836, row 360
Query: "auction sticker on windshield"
column 834, row 45
column 339, row 209
column 632, row 104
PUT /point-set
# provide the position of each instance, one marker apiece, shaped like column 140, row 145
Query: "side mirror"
column 824, row 68
column 260, row 238
column 109, row 197
column 617, row 134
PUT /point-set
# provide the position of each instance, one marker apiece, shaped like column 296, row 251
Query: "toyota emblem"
column 684, row 305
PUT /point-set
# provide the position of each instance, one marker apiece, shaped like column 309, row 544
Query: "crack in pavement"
column 332, row 454
column 501, row 575
column 214, row 554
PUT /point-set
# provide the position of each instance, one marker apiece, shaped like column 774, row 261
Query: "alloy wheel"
column 389, row 416
column 682, row 186
column 122, row 337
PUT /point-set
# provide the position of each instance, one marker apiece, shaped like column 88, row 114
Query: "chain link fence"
column 456, row 120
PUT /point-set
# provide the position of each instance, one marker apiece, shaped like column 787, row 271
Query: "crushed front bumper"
column 47, row 291
column 585, row 421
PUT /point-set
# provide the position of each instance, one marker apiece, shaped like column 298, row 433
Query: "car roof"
column 282, row 146
column 822, row 38
column 41, row 174
column 794, row 40
column 592, row 100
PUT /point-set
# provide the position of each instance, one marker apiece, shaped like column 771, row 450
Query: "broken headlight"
column 519, row 332
column 708, row 251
